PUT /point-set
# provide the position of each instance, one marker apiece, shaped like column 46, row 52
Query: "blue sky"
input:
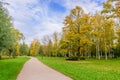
column 37, row 18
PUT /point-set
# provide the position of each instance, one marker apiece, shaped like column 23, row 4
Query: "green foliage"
column 5, row 28
column 9, row 36
column 24, row 49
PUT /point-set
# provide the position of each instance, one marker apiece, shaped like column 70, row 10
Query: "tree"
column 73, row 26
column 112, row 11
column 47, row 45
column 34, row 47
column 24, row 49
column 16, row 36
column 9, row 36
column 56, row 40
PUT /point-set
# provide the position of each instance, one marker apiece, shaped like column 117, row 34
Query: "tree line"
column 9, row 36
column 88, row 35
column 83, row 35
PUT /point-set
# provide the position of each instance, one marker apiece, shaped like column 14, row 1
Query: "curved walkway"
column 36, row 70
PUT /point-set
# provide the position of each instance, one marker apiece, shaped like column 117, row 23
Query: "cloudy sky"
column 37, row 18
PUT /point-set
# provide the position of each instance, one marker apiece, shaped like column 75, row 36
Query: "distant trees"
column 83, row 35
column 50, row 45
column 89, row 35
column 34, row 47
column 23, row 49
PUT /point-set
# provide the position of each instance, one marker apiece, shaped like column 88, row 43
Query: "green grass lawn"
column 10, row 68
column 86, row 70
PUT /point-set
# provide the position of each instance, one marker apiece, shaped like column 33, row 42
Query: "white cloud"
column 35, row 19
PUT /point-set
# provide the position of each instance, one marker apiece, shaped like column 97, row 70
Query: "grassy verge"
column 86, row 70
column 10, row 68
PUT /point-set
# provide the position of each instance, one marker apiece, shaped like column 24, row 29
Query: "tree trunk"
column 98, row 53
column 105, row 55
column 101, row 53
column 89, row 54
column 105, row 52
column 0, row 56
column 14, row 54
column 97, row 50
column 78, row 31
column 105, row 46
column 78, row 53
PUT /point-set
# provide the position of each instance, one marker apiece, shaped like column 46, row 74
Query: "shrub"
column 82, row 58
column 72, row 58
column 75, row 58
